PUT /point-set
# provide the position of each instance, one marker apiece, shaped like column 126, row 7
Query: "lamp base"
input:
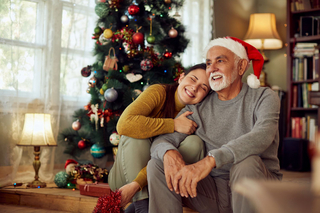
column 37, row 184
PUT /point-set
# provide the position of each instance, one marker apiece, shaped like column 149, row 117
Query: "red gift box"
column 95, row 190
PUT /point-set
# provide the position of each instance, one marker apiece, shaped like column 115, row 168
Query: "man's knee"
column 251, row 167
column 154, row 168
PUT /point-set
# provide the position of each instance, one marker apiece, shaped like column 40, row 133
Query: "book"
column 299, row 96
column 298, row 127
column 294, row 70
column 316, row 63
column 303, row 45
column 313, row 128
column 293, row 128
column 305, row 95
column 315, row 3
column 295, row 96
column 306, row 5
column 300, row 70
column 315, row 87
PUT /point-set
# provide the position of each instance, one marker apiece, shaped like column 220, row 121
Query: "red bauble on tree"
column 86, row 71
column 133, row 9
column 82, row 144
column 138, row 38
column 167, row 54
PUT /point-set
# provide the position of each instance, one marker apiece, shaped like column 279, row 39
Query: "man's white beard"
column 226, row 82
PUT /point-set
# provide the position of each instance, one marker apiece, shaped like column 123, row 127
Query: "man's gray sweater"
column 232, row 130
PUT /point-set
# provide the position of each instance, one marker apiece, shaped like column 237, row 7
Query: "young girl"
column 151, row 114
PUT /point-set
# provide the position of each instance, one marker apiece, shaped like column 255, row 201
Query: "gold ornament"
column 167, row 1
column 115, row 150
column 126, row 68
column 107, row 33
column 101, row 91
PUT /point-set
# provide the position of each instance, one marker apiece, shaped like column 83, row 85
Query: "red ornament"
column 82, row 144
column 133, row 9
column 138, row 38
column 167, row 54
column 86, row 71
column 76, row 125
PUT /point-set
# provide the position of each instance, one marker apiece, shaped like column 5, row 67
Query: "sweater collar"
column 243, row 91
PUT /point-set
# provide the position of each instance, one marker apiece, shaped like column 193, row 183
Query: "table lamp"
column 262, row 34
column 37, row 132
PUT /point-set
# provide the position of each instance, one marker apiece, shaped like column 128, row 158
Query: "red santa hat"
column 69, row 161
column 244, row 51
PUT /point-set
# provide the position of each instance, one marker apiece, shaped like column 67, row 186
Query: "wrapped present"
column 95, row 190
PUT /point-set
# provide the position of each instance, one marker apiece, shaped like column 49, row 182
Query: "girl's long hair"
column 168, row 109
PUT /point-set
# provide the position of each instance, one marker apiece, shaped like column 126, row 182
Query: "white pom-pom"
column 253, row 81
column 70, row 168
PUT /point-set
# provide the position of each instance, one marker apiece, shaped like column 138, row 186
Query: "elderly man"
column 239, row 126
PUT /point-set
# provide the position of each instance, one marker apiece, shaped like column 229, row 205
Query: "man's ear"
column 242, row 65
column 181, row 77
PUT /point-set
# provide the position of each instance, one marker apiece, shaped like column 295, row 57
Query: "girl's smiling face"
column 193, row 87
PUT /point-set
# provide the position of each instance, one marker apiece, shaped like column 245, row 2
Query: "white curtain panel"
column 198, row 18
column 44, row 44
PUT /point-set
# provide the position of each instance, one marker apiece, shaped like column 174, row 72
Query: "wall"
column 232, row 19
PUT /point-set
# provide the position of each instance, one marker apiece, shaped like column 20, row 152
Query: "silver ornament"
column 124, row 19
column 103, row 40
column 111, row 95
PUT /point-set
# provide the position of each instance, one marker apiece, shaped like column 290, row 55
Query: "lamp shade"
column 37, row 130
column 262, row 32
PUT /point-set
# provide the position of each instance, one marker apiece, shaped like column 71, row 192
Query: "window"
column 21, row 46
column 38, row 37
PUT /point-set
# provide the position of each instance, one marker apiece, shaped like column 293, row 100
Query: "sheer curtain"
column 44, row 44
column 198, row 18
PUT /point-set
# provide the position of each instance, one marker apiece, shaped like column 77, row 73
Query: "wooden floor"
column 52, row 199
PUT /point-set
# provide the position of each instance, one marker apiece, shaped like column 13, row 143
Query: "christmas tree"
column 136, row 45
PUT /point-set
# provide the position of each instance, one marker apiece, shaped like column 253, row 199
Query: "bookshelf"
column 303, row 67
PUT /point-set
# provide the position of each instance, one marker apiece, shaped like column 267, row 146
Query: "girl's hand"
column 127, row 192
column 184, row 125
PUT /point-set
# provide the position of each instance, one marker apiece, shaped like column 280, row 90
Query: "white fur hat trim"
column 230, row 44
